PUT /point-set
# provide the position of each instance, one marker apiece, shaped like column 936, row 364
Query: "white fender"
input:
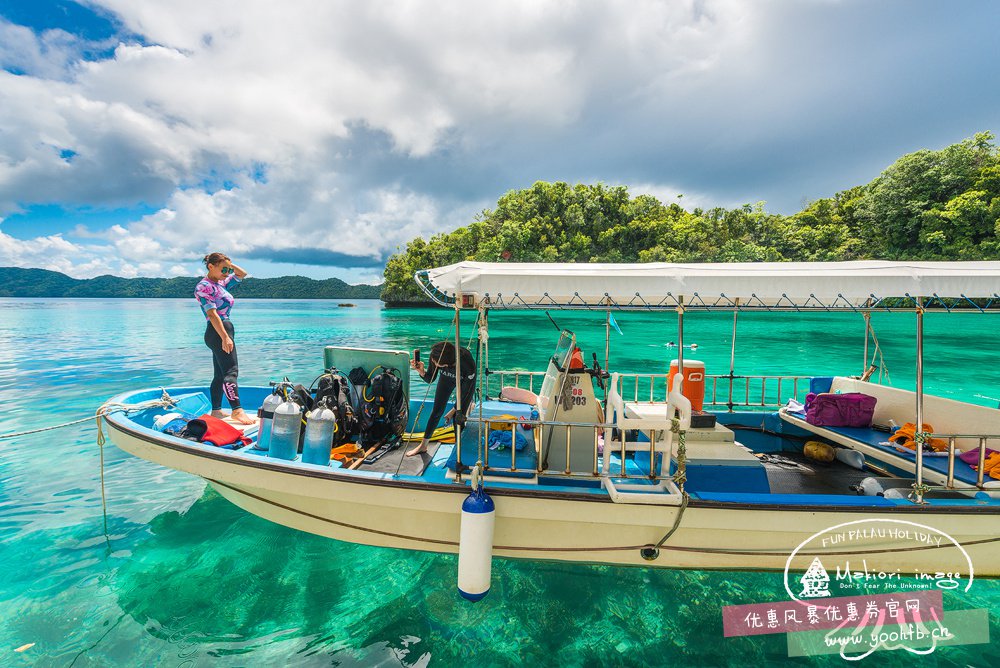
column 851, row 458
column 475, row 545
column 870, row 487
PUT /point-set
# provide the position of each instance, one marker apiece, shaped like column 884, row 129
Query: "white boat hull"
column 375, row 509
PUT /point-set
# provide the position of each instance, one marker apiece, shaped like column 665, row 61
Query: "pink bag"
column 852, row 409
column 971, row 457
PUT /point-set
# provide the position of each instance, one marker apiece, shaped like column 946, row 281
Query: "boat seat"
column 518, row 395
column 870, row 442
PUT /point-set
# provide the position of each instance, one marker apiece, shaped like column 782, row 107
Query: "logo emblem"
column 815, row 581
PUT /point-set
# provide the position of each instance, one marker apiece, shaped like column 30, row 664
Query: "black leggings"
column 226, row 367
column 445, row 386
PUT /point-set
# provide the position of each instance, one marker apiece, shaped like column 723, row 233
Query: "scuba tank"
column 266, row 415
column 320, row 425
column 285, row 429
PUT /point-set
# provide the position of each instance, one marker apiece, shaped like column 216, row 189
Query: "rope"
column 416, row 421
column 681, row 476
column 105, row 408
column 41, row 429
column 100, row 447
column 677, row 520
column 883, row 370
column 599, row 548
column 165, row 401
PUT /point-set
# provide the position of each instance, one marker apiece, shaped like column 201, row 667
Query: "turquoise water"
column 186, row 579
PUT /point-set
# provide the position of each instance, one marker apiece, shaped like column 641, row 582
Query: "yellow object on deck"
column 819, row 451
column 441, row 434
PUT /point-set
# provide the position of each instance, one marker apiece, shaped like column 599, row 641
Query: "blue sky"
column 317, row 137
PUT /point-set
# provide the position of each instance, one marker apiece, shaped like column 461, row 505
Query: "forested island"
column 17, row 282
column 928, row 205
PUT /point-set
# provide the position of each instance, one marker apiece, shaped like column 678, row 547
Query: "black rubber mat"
column 794, row 473
column 414, row 465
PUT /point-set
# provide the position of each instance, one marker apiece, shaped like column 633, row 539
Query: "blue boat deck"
column 780, row 476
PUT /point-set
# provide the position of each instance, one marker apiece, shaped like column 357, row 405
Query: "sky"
column 317, row 137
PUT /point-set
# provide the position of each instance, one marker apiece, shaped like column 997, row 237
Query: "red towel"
column 216, row 431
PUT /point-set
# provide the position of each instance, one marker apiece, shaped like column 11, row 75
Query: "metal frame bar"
column 920, row 436
column 458, row 393
column 639, row 381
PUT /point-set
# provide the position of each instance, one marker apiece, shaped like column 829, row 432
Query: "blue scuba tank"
column 266, row 415
column 320, row 425
column 285, row 429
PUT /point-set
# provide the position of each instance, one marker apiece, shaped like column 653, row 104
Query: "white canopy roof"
column 827, row 285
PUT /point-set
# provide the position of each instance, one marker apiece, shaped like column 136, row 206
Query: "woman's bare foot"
column 240, row 415
column 221, row 414
column 420, row 449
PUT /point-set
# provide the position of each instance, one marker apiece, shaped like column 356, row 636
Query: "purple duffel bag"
column 852, row 409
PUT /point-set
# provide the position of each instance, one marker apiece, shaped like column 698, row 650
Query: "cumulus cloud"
column 48, row 55
column 53, row 253
column 330, row 133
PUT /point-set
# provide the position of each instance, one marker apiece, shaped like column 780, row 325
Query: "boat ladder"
column 662, row 493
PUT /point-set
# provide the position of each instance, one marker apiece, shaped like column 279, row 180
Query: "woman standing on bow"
column 212, row 293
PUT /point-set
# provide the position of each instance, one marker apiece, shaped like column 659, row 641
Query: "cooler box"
column 694, row 381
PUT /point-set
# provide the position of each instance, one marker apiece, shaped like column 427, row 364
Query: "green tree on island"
column 928, row 205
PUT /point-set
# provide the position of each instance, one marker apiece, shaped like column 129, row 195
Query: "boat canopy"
column 869, row 284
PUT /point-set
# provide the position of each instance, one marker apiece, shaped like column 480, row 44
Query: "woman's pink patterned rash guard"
column 215, row 295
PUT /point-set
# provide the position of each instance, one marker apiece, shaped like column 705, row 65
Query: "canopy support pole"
column 732, row 360
column 919, row 489
column 680, row 339
column 607, row 338
column 482, row 378
column 484, row 365
column 458, row 391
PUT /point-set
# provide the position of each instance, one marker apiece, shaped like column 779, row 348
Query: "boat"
column 620, row 468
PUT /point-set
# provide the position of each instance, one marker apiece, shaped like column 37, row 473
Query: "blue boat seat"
column 875, row 439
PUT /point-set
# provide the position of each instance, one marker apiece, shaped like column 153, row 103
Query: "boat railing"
column 721, row 391
column 735, row 391
column 527, row 380
column 499, row 460
column 982, row 440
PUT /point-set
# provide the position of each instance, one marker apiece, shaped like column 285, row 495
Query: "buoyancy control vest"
column 383, row 407
column 335, row 389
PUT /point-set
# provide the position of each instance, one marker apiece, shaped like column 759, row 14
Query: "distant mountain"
column 17, row 282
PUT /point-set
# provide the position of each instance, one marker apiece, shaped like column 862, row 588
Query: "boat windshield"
column 558, row 364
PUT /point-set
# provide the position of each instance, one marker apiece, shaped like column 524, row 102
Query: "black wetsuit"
column 215, row 295
column 446, row 385
column 226, row 367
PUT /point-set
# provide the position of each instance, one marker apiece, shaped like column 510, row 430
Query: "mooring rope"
column 165, row 401
column 41, row 429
